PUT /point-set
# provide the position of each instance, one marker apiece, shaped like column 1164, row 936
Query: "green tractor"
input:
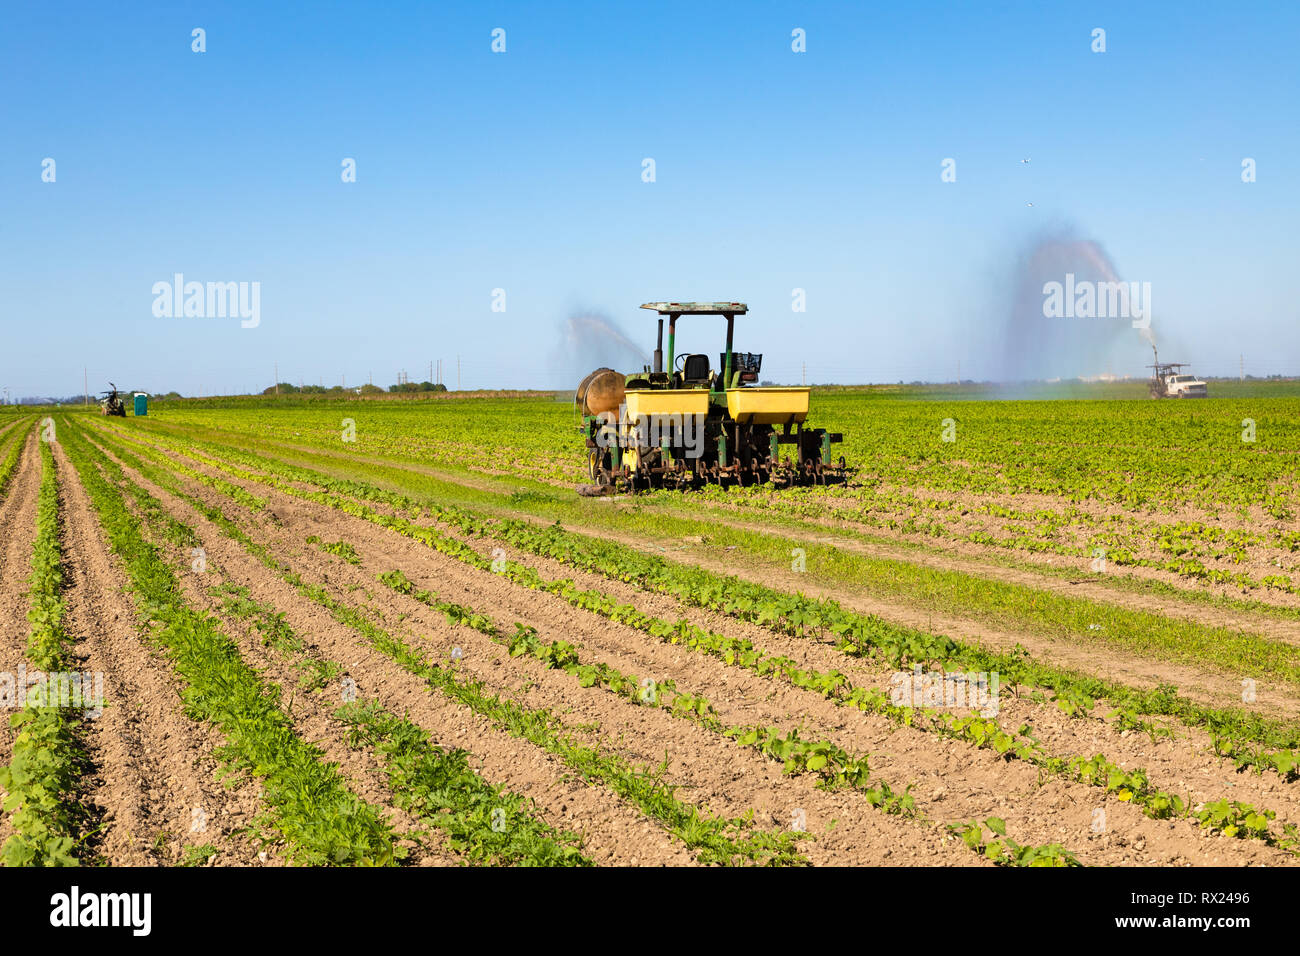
column 684, row 423
column 112, row 404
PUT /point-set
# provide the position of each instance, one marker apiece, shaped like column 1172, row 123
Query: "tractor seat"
column 695, row 371
column 746, row 364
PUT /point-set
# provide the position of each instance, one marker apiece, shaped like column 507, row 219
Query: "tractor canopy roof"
column 697, row 308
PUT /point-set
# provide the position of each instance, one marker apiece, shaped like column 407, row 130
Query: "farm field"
column 389, row 633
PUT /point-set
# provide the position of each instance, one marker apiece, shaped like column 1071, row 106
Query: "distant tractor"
column 683, row 423
column 1169, row 381
column 112, row 404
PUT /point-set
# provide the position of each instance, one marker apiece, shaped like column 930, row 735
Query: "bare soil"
column 952, row 780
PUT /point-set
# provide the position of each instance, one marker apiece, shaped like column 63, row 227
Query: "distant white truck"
column 1168, row 380
column 1185, row 386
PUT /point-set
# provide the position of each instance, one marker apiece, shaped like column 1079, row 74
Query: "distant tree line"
column 287, row 388
column 80, row 398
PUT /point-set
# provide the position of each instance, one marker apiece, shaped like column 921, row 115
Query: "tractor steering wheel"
column 680, row 362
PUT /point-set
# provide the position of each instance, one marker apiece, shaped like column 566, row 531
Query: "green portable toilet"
column 141, row 404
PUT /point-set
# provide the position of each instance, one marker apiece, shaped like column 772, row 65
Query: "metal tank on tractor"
column 684, row 422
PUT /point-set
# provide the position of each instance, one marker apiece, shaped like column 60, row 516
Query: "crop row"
column 308, row 805
column 711, row 838
column 1136, row 455
column 834, row 766
column 483, row 823
column 859, row 635
column 1001, row 603
column 10, row 449
column 1127, row 785
column 49, row 760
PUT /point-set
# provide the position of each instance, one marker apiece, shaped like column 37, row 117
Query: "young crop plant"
column 343, row 549
column 713, row 839
column 979, row 731
column 1006, row 852
column 1235, row 819
column 307, row 803
column 833, row 766
column 566, row 545
column 199, row 855
column 1286, row 763
column 49, row 760
column 484, row 824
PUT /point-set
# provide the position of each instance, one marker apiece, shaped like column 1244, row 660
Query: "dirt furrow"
column 973, row 559
column 18, row 523
column 1094, row 657
column 1055, row 812
column 1064, row 810
column 1040, row 813
column 614, row 833
column 154, row 784
column 1187, row 763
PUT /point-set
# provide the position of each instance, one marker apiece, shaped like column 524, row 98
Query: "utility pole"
column 805, row 373
column 431, row 370
column 1241, row 358
column 458, row 373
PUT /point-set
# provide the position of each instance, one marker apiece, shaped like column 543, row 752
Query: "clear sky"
column 522, row 171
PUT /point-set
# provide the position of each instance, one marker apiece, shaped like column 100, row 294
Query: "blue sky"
column 775, row 170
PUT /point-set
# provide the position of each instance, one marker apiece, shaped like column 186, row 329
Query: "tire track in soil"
column 707, row 766
column 1187, row 764
column 313, row 721
column 962, row 556
column 614, row 832
column 1183, row 765
column 154, row 782
column 1213, row 688
column 309, row 713
column 978, row 561
column 1058, row 811
column 18, row 525
column 1095, row 658
column 1132, row 837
